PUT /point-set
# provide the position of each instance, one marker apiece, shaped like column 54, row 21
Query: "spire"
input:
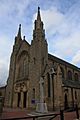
column 38, row 14
column 38, row 26
column 38, row 23
column 19, row 31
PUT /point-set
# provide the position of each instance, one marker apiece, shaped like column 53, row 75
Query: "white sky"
column 61, row 20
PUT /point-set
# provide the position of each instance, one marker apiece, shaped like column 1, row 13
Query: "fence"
column 34, row 117
column 51, row 115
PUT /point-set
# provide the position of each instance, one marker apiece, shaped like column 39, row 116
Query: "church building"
column 29, row 63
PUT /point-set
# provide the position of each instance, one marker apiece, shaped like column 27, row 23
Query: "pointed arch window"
column 48, row 77
column 69, row 75
column 20, row 71
column 25, row 67
column 34, row 59
column 76, row 77
column 75, row 95
column 33, row 93
column 0, row 93
column 62, row 71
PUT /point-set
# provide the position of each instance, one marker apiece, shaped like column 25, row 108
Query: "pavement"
column 19, row 113
column 13, row 113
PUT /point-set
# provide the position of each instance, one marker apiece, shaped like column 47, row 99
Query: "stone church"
column 29, row 63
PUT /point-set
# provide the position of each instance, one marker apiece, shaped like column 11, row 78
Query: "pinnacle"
column 38, row 15
column 19, row 31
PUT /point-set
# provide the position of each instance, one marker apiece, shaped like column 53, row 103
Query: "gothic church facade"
column 30, row 62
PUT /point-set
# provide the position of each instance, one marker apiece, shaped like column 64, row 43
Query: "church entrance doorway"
column 66, row 102
column 19, row 99
column 24, row 99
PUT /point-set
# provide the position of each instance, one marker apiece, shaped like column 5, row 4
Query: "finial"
column 38, row 15
column 38, row 9
column 19, row 26
column 23, row 37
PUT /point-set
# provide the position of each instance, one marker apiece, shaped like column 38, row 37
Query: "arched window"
column 66, row 101
column 33, row 93
column 48, row 77
column 76, row 77
column 75, row 95
column 25, row 67
column 20, row 70
column 62, row 71
column 0, row 93
column 69, row 76
column 34, row 59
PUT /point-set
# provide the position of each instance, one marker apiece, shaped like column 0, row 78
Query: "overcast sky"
column 61, row 20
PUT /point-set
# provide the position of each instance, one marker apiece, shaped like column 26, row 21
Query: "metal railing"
column 49, row 116
column 34, row 117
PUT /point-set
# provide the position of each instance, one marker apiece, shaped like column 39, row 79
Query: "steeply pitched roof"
column 54, row 58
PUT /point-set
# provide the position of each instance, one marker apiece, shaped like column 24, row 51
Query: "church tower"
column 38, row 54
column 39, row 45
column 11, row 77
